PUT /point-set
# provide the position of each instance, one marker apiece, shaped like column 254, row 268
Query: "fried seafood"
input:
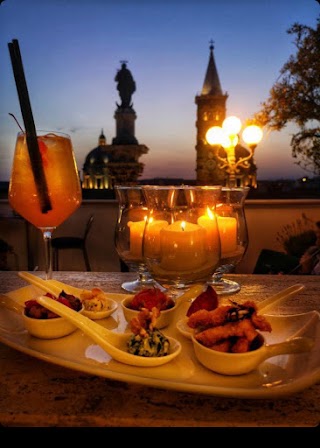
column 243, row 328
column 145, row 320
column 206, row 319
column 231, row 328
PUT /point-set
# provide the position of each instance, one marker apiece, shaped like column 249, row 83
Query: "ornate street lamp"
column 227, row 136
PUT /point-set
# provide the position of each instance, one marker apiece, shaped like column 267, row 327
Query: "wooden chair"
column 72, row 242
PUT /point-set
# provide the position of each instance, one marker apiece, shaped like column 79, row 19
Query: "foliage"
column 295, row 97
column 296, row 237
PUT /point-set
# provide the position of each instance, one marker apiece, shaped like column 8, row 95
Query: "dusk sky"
column 71, row 51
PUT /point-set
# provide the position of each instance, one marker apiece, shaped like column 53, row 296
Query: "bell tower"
column 211, row 111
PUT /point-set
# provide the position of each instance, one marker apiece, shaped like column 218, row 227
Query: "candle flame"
column 183, row 225
column 209, row 213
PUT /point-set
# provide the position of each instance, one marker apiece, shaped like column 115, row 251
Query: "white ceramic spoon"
column 241, row 363
column 165, row 318
column 55, row 287
column 264, row 306
column 113, row 343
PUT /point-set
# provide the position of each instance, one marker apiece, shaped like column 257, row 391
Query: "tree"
column 295, row 97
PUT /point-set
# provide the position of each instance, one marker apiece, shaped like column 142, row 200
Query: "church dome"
column 98, row 158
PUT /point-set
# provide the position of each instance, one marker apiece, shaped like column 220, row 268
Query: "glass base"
column 138, row 285
column 224, row 286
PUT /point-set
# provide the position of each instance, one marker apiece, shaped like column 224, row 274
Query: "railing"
column 264, row 218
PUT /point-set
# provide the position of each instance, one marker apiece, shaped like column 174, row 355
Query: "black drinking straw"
column 31, row 135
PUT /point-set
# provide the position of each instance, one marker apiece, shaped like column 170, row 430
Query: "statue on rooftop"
column 126, row 86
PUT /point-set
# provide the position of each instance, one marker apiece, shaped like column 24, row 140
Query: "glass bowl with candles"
column 132, row 215
column 234, row 237
column 179, row 250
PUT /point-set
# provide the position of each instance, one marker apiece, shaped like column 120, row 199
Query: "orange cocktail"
column 61, row 175
column 53, row 181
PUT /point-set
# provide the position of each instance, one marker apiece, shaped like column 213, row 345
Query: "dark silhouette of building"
column 107, row 165
column 211, row 111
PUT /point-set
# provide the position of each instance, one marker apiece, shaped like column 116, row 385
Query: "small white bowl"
column 53, row 328
column 96, row 315
column 165, row 318
column 97, row 305
column 241, row 363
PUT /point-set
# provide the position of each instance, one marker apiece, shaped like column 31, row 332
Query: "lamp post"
column 227, row 136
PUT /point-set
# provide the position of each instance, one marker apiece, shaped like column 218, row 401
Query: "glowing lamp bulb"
column 231, row 125
column 214, row 135
column 252, row 135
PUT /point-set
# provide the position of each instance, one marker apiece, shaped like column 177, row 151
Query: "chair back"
column 88, row 227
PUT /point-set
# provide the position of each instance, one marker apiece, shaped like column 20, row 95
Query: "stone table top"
column 34, row 392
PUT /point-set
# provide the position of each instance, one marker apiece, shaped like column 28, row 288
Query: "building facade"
column 211, row 111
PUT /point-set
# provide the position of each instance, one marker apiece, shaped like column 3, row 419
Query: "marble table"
column 37, row 393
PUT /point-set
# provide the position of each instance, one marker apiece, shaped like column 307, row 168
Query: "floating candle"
column 227, row 226
column 228, row 234
column 152, row 237
column 183, row 246
column 136, row 236
column 209, row 222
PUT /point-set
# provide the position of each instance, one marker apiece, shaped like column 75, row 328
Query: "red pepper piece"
column 48, row 294
column 207, row 300
column 31, row 303
column 64, row 301
column 150, row 298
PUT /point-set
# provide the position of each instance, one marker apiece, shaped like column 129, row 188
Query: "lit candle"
column 183, row 246
column 210, row 224
column 136, row 236
column 152, row 237
column 228, row 234
column 227, row 226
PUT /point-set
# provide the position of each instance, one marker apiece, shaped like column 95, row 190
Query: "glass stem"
column 143, row 277
column 47, row 235
column 218, row 274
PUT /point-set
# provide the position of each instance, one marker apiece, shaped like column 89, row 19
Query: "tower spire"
column 211, row 85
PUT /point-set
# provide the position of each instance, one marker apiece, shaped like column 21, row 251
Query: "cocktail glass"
column 62, row 185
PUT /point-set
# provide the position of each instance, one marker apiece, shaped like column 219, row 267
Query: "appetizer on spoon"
column 96, row 303
column 116, row 344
